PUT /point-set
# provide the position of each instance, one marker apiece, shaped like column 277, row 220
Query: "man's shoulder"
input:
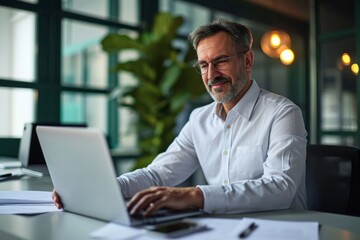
column 274, row 99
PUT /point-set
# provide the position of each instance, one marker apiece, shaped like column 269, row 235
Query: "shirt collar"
column 246, row 104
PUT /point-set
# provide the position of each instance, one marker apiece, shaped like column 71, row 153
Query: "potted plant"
column 165, row 82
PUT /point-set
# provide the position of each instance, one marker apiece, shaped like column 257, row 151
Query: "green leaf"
column 139, row 68
column 179, row 100
column 166, row 25
column 169, row 78
column 117, row 42
column 144, row 161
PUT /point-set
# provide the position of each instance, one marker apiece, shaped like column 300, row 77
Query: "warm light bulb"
column 355, row 68
column 345, row 58
column 287, row 56
column 275, row 40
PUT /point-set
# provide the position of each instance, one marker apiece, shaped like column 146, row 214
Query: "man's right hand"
column 56, row 199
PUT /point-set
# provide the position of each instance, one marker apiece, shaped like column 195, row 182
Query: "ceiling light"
column 355, row 68
column 287, row 56
column 345, row 59
column 274, row 42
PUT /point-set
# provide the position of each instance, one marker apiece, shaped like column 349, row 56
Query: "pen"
column 5, row 175
column 248, row 230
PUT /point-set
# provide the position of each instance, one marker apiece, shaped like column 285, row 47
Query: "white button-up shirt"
column 253, row 160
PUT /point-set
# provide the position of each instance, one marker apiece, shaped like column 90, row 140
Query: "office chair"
column 333, row 179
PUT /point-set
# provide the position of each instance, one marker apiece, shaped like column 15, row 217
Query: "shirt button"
column 226, row 181
column 225, row 152
column 228, row 126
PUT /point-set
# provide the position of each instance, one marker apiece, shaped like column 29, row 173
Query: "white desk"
column 63, row 225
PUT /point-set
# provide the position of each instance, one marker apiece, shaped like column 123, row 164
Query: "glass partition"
column 17, row 107
column 84, row 63
column 90, row 109
column 127, row 10
column 338, row 86
column 17, row 45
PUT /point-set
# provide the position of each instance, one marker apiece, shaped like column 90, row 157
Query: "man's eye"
column 203, row 65
column 221, row 62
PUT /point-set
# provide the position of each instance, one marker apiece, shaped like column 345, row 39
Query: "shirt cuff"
column 214, row 198
column 123, row 186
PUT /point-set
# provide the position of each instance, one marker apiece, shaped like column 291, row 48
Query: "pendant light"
column 274, row 42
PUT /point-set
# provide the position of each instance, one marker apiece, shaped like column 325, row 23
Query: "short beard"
column 235, row 89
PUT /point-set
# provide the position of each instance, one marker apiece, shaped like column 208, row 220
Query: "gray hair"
column 240, row 35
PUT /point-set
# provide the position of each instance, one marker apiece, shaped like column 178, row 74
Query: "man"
column 250, row 143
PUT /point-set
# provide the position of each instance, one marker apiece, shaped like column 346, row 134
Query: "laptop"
column 31, row 158
column 83, row 174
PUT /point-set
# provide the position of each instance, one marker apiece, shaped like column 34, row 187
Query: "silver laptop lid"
column 82, row 172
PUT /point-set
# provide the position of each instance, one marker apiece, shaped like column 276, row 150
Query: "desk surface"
column 63, row 225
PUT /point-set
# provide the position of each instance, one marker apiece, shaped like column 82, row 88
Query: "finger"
column 140, row 195
column 53, row 194
column 153, row 207
column 144, row 203
column 56, row 199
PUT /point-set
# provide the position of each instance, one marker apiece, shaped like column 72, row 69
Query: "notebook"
column 83, row 174
column 30, row 153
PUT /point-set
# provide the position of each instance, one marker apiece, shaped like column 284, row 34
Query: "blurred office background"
column 53, row 69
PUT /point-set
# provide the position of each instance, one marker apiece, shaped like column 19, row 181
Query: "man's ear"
column 249, row 60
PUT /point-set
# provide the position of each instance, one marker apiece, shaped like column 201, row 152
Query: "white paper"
column 114, row 231
column 16, row 197
column 278, row 230
column 27, row 208
column 26, row 202
column 222, row 228
column 219, row 229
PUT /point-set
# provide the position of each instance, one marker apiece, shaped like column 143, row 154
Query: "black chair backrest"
column 333, row 179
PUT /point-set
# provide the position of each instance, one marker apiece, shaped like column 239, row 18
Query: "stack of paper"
column 26, row 202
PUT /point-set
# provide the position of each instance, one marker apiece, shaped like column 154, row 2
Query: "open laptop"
column 30, row 155
column 83, row 174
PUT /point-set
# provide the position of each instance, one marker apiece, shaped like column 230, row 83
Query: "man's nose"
column 212, row 71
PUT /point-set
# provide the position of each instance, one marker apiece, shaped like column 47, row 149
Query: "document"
column 114, row 231
column 277, row 230
column 219, row 228
column 26, row 202
column 27, row 209
column 222, row 228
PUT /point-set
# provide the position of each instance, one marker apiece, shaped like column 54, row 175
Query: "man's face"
column 224, row 85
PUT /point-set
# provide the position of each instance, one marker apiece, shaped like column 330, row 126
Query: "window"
column 17, row 61
column 18, row 104
column 84, row 63
column 53, row 68
column 338, row 97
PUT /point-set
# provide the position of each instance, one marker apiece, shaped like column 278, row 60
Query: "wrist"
column 198, row 197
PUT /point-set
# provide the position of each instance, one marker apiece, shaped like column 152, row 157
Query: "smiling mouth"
column 218, row 82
